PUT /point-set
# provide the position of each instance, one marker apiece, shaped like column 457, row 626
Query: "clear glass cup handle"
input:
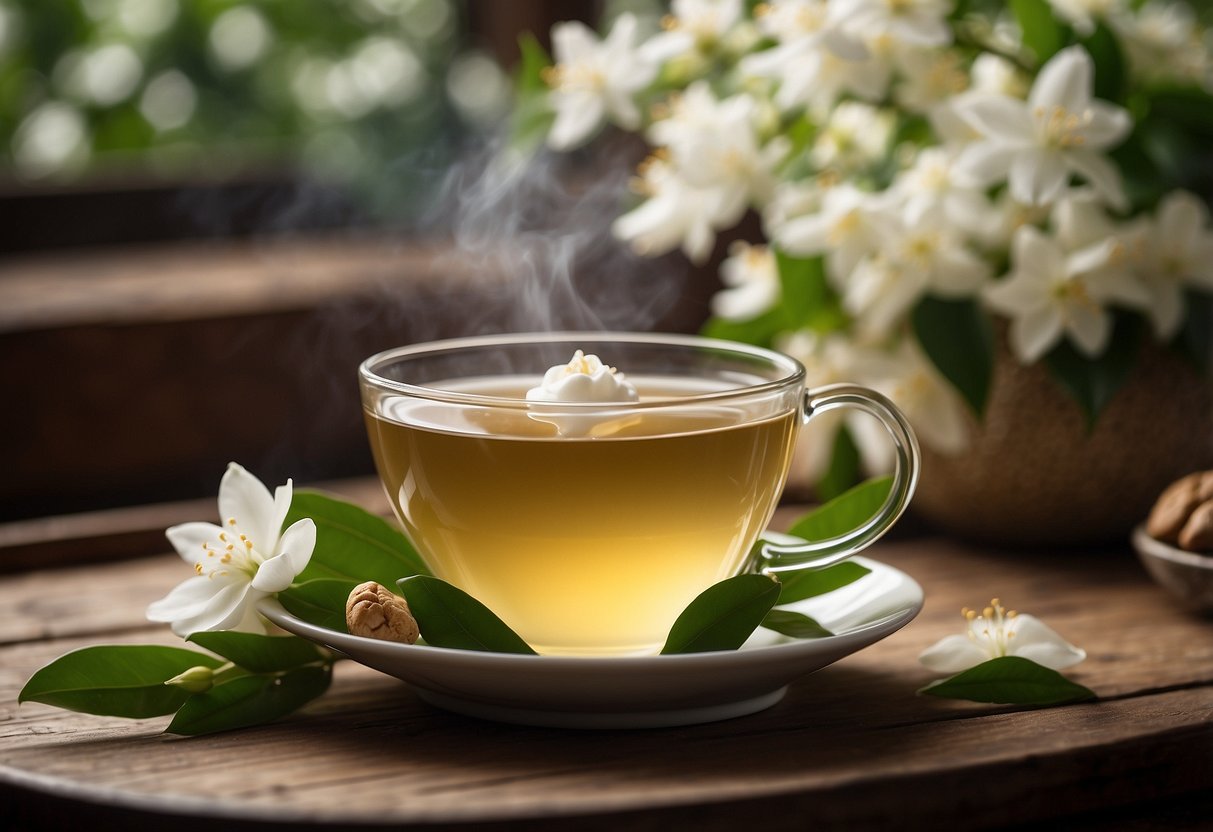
column 773, row 558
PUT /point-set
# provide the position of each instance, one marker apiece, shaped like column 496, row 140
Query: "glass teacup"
column 588, row 527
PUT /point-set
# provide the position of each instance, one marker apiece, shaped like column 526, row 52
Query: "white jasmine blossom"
column 1060, row 130
column 932, row 184
column 712, row 167
column 848, row 228
column 693, row 25
column 674, row 215
column 995, row 74
column 1166, row 254
column 594, row 80
column 998, row 632
column 1164, row 40
column 1178, row 253
column 855, row 136
column 914, row 258
column 236, row 563
column 931, row 76
column 919, row 22
column 814, row 62
column 751, row 278
column 1052, row 293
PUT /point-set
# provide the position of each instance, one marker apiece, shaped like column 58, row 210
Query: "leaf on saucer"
column 794, row 624
column 809, row 583
column 249, row 700
column 259, row 653
column 115, row 680
column 844, row 513
column 351, row 543
column 320, row 601
column 1010, row 680
column 723, row 616
column 449, row 617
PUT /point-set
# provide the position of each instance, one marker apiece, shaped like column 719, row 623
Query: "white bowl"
column 1186, row 575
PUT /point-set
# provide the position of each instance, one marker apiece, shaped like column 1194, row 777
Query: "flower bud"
column 197, row 679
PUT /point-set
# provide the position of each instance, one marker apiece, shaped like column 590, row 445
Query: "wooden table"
column 851, row 747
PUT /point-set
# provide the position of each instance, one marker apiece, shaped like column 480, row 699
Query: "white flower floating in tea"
column 995, row 633
column 237, row 563
column 584, row 379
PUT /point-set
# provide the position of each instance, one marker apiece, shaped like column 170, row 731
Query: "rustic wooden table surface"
column 850, row 747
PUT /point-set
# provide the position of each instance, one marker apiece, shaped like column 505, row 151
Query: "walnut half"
column 374, row 612
column 1183, row 515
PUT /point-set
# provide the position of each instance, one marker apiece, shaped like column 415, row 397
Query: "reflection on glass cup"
column 588, row 527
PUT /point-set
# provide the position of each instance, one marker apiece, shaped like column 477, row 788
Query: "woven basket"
column 1035, row 475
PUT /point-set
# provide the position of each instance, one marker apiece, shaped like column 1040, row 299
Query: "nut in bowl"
column 1176, row 543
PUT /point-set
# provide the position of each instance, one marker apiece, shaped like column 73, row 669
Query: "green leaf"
column 1041, row 31
column 809, row 583
column 806, row 297
column 1010, row 680
column 1093, row 382
column 760, row 331
column 794, row 624
column 845, row 513
column 115, row 680
column 320, row 602
column 1111, row 75
column 843, row 471
column 723, row 616
column 259, row 653
column 956, row 335
column 1190, row 107
column 249, row 700
column 533, row 60
column 352, row 543
column 532, row 115
column 1196, row 338
column 449, row 617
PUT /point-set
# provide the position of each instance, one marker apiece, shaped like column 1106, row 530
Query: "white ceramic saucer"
column 635, row 692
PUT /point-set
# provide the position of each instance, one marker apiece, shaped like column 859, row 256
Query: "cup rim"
column 794, row 371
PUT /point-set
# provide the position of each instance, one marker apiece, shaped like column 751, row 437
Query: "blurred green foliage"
column 182, row 87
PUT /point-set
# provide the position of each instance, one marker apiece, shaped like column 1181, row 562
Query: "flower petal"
column 984, row 163
column 1001, row 118
column 225, row 608
column 953, row 654
column 295, row 550
column 573, row 41
column 1037, row 257
column 1167, row 310
column 1101, row 174
column 1089, row 327
column 185, row 599
column 1038, row 177
column 244, row 497
column 805, row 235
column 1107, row 125
column 1181, row 218
column 578, row 115
column 1034, row 333
column 1065, row 81
column 189, row 538
column 1038, row 642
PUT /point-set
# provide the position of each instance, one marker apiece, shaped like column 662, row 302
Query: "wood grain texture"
column 850, row 747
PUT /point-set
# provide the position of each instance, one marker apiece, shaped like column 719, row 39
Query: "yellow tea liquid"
column 584, row 545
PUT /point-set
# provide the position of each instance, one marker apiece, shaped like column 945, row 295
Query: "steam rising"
column 538, row 230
